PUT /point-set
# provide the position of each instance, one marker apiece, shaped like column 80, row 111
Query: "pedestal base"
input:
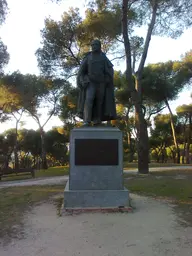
column 96, row 170
column 74, row 199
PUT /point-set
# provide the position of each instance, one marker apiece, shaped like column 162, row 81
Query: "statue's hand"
column 85, row 82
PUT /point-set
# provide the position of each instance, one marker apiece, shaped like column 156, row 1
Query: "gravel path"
column 151, row 230
column 63, row 179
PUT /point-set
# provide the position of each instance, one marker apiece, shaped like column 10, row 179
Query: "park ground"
column 31, row 222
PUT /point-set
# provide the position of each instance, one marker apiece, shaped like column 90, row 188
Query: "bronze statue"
column 95, row 81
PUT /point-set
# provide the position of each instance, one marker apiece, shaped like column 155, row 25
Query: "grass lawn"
column 133, row 165
column 51, row 172
column 64, row 170
column 174, row 185
column 14, row 202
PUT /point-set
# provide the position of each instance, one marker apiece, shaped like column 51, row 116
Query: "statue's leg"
column 88, row 106
column 100, row 93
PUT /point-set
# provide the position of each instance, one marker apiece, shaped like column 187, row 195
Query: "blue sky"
column 21, row 34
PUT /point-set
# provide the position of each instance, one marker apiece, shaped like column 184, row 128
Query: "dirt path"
column 151, row 230
column 62, row 179
column 36, row 181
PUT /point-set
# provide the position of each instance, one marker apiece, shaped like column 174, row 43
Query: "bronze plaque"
column 96, row 152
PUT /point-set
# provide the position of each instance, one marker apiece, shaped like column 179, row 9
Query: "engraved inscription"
column 96, row 152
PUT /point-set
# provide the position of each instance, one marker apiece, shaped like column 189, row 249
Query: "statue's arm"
column 109, row 70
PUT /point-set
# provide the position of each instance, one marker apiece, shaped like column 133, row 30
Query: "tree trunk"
column 16, row 148
column 7, row 159
column 189, row 141
column 142, row 145
column 158, row 154
column 142, row 133
column 131, row 148
column 163, row 155
column 173, row 156
column 183, row 154
column 173, row 133
column 43, row 150
column 188, row 153
column 129, row 140
column 142, row 142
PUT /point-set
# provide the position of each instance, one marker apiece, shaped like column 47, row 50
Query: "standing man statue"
column 95, row 81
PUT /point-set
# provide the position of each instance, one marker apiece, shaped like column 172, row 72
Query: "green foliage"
column 31, row 92
column 24, row 90
column 30, row 142
column 10, row 102
column 3, row 10
column 187, row 60
column 65, row 42
column 68, row 110
column 7, row 142
column 164, row 80
column 168, row 13
column 161, row 137
column 30, row 148
column 171, row 13
column 185, row 111
column 60, row 52
column 4, row 56
column 56, row 147
column 103, row 24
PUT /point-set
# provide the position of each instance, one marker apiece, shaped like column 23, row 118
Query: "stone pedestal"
column 96, row 169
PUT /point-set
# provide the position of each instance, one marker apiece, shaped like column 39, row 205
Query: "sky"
column 21, row 34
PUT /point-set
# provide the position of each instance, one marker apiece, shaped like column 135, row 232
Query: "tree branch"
column 72, row 54
column 52, row 113
column 117, row 58
column 148, row 38
column 155, row 112
column 127, row 44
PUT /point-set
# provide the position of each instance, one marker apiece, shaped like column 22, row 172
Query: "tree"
column 4, row 56
column 11, row 106
column 68, row 111
column 3, row 10
column 65, row 42
column 56, row 147
column 30, row 143
column 37, row 93
column 160, row 137
column 187, row 60
column 151, row 107
column 50, row 101
column 161, row 17
column 60, row 53
column 7, row 143
column 185, row 114
column 162, row 83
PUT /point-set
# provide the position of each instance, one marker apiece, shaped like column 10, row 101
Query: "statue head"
column 96, row 45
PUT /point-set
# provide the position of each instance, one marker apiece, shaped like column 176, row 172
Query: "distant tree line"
column 141, row 94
